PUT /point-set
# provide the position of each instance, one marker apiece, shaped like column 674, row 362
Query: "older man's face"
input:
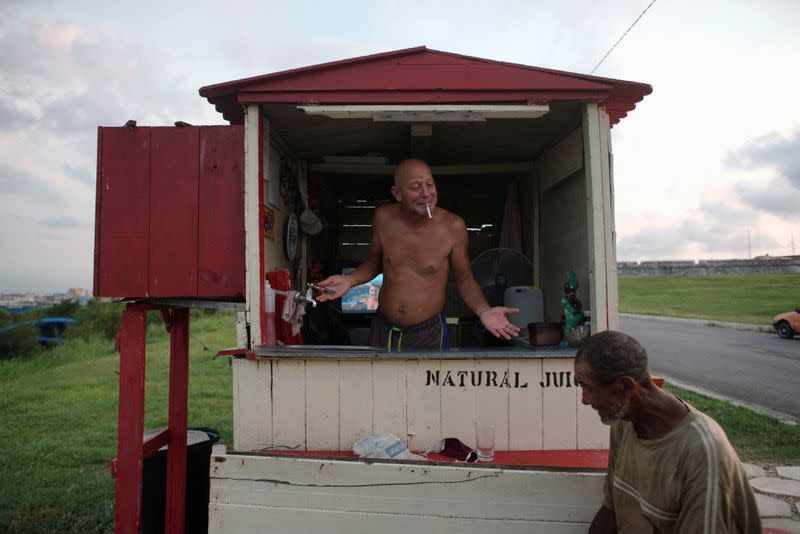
column 606, row 399
column 416, row 189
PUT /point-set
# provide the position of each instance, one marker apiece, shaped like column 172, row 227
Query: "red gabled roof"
column 418, row 76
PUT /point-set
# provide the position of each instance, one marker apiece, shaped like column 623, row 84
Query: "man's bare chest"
column 422, row 253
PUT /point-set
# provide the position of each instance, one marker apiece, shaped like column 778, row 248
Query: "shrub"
column 65, row 308
column 96, row 319
column 6, row 317
column 102, row 319
column 19, row 342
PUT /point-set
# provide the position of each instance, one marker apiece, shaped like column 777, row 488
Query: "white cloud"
column 58, row 82
column 693, row 168
column 716, row 229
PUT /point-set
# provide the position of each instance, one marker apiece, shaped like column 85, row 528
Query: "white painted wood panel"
column 559, row 396
column 592, row 434
column 436, row 498
column 329, row 404
column 289, row 404
column 229, row 518
column 274, row 256
column 253, row 268
column 458, row 400
column 491, row 404
column 322, row 405
column 590, row 121
column 241, row 329
column 424, row 404
column 252, row 405
column 355, row 402
column 525, row 407
column 612, row 284
column 389, row 398
column 562, row 160
column 272, row 173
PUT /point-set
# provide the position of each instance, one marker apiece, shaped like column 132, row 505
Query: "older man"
column 414, row 244
column 670, row 467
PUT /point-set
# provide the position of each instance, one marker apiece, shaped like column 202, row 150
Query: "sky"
column 706, row 167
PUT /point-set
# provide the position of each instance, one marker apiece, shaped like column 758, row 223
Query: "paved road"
column 753, row 367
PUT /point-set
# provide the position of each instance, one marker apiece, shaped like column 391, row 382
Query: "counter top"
column 344, row 352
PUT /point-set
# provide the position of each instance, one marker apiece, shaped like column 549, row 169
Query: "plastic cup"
column 484, row 433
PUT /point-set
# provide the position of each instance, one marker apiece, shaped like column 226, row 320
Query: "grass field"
column 756, row 437
column 754, row 298
column 58, row 424
column 58, row 417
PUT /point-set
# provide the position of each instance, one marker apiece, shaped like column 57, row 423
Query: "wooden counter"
column 309, row 398
column 523, row 351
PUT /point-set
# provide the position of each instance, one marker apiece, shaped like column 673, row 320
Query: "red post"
column 178, row 418
column 130, row 435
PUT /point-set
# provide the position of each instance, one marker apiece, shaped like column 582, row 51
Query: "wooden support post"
column 255, row 132
column 130, row 420
column 177, row 422
column 599, row 207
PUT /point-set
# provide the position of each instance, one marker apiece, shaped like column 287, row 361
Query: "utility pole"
column 792, row 243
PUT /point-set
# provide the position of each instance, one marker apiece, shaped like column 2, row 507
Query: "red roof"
column 419, row 76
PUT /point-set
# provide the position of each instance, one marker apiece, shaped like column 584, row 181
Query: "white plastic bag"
column 384, row 446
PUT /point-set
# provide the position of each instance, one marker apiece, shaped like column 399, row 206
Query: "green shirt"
column 688, row 481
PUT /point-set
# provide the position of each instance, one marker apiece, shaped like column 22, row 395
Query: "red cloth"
column 280, row 279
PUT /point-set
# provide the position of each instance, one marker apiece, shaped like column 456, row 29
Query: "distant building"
column 760, row 265
column 24, row 301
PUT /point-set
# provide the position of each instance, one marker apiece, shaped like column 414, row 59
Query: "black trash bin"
column 199, row 441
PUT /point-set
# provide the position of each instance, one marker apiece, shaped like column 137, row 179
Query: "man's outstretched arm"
column 494, row 319
column 365, row 272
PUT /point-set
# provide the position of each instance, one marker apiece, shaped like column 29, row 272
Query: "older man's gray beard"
column 619, row 415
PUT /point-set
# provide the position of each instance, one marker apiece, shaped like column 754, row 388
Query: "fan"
column 500, row 268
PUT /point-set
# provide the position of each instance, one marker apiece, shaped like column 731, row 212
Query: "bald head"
column 408, row 169
column 414, row 188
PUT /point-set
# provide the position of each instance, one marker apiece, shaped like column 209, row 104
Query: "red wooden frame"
column 423, row 75
column 169, row 217
column 132, row 448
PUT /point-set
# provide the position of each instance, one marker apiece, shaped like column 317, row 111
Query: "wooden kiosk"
column 197, row 216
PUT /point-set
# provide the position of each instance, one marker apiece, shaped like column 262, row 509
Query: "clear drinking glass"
column 484, row 433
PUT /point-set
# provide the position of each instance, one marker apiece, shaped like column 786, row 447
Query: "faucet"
column 308, row 297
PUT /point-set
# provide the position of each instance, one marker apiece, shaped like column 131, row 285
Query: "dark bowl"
column 544, row 334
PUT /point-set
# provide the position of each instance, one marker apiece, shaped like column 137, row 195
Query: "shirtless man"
column 414, row 244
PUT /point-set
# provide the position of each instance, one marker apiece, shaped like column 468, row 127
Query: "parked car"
column 787, row 324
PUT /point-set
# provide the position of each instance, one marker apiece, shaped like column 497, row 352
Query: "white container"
column 530, row 302
column 269, row 312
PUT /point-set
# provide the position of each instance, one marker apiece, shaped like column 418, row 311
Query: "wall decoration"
column 288, row 183
column 291, row 237
column 269, row 223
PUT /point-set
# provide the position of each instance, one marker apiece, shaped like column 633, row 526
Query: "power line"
column 623, row 36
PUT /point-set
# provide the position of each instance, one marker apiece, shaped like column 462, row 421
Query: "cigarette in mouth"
column 429, row 210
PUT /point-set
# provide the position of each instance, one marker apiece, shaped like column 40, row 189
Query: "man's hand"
column 495, row 321
column 338, row 284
